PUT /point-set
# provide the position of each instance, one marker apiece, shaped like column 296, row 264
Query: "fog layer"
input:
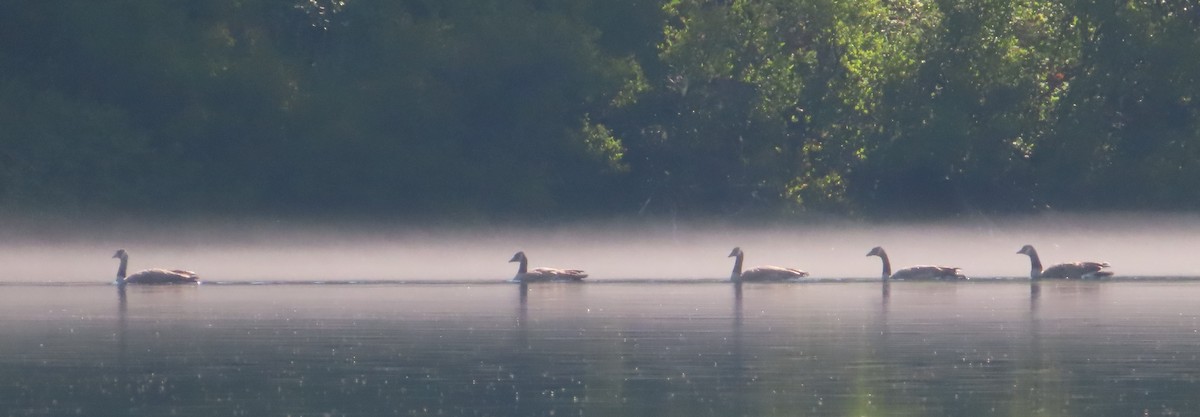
column 1134, row 245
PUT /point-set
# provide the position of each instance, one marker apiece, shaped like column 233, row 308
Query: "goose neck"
column 121, row 269
column 887, row 265
column 1035, row 265
column 737, row 268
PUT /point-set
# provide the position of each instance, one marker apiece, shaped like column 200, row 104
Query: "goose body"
column 524, row 274
column 761, row 273
column 1072, row 270
column 152, row 276
column 918, row 272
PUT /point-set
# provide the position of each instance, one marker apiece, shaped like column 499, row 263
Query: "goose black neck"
column 121, row 269
column 887, row 265
column 524, row 266
column 737, row 268
column 1035, row 265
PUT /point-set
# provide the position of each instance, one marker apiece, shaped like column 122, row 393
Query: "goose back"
column 772, row 273
column 163, row 276
column 928, row 272
column 1078, row 270
column 551, row 274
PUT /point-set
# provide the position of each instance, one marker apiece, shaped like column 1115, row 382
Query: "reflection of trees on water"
column 521, row 349
column 885, row 299
column 736, row 349
column 1035, row 293
column 143, row 362
column 737, row 310
column 870, row 395
column 737, row 361
column 537, row 374
column 122, row 325
column 523, row 316
column 1039, row 387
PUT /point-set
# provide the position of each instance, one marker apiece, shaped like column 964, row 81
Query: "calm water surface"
column 1119, row 348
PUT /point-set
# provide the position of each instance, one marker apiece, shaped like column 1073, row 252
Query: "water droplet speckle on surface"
column 602, row 348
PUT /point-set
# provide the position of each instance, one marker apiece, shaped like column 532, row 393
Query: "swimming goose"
column 152, row 276
column 919, row 272
column 524, row 274
column 761, row 273
column 1074, row 270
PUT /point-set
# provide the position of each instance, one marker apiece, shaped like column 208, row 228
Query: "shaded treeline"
column 585, row 107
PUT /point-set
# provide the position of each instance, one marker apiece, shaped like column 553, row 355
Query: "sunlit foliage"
column 471, row 108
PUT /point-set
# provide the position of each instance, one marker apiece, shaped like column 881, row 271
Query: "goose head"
column 736, row 252
column 518, row 257
column 121, row 254
column 877, row 251
column 1027, row 250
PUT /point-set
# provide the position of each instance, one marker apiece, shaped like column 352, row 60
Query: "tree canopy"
column 480, row 108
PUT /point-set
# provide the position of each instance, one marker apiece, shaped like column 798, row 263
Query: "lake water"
column 627, row 348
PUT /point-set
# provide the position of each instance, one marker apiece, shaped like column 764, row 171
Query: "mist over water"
column 1075, row 348
column 1136, row 245
column 655, row 331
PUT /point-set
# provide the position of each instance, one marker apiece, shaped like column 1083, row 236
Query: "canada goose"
column 919, row 272
column 1074, row 270
column 152, row 276
column 524, row 274
column 761, row 273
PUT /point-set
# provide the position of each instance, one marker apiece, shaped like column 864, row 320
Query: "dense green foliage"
column 593, row 107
